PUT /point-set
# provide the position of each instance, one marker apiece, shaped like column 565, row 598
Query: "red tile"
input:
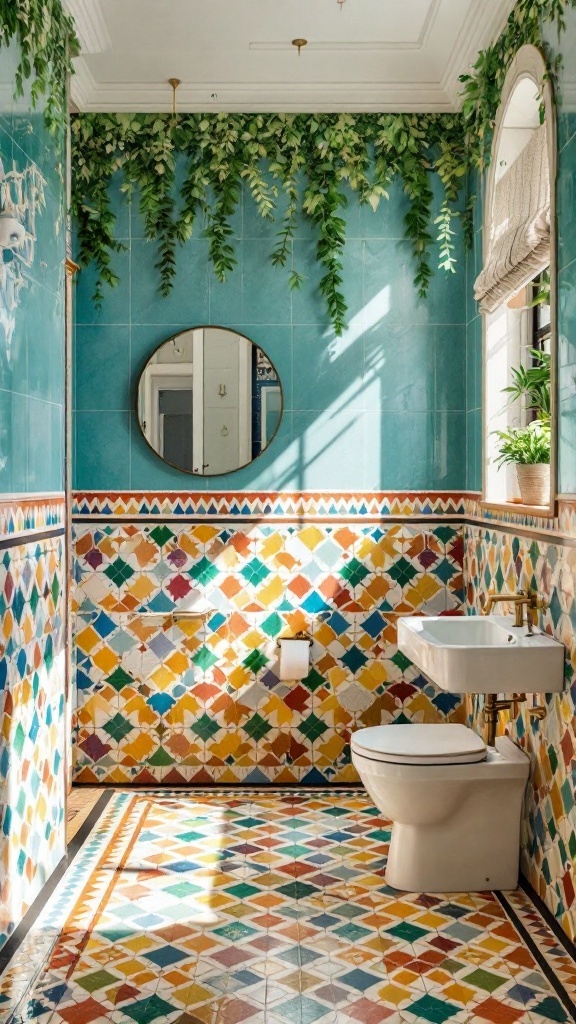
column 368, row 1012
column 82, row 1013
column 496, row 1012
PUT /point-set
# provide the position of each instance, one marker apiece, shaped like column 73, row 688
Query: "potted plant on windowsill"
column 528, row 448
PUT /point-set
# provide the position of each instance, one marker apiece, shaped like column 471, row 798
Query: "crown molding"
column 82, row 85
column 478, row 32
column 329, row 97
column 90, row 24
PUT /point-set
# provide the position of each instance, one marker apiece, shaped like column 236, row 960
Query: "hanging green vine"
column 482, row 88
column 46, row 38
column 303, row 162
column 306, row 162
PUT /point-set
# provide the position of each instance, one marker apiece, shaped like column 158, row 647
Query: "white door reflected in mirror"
column 209, row 401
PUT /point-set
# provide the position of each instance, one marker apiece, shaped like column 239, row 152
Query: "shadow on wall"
column 383, row 407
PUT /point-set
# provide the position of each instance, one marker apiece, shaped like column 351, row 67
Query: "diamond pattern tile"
column 191, row 908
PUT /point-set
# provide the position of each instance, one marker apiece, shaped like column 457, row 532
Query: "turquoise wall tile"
column 449, row 450
column 450, row 368
column 566, row 198
column 189, row 296
column 102, row 442
column 388, row 219
column 32, row 330
column 381, row 366
column 328, row 371
column 399, row 451
column 567, row 444
column 6, row 428
column 44, row 319
column 271, row 301
column 474, row 450
column 322, row 440
column 102, row 368
column 46, row 446
column 400, row 368
column 115, row 307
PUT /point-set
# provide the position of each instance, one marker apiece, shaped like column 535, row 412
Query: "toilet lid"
column 420, row 744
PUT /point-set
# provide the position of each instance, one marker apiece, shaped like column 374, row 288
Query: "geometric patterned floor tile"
column 251, row 907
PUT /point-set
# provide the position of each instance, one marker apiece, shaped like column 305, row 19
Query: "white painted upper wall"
column 236, row 55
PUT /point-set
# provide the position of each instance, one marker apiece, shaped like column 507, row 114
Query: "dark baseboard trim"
column 21, row 931
column 21, row 539
column 548, row 916
column 543, row 964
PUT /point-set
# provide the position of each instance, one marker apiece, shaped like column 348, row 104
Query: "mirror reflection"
column 209, row 401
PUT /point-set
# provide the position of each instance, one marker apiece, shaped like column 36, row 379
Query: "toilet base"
column 434, row 859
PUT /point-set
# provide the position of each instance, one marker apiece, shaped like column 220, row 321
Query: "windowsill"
column 543, row 511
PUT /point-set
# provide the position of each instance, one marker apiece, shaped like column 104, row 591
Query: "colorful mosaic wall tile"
column 32, row 715
column 166, row 700
column 273, row 506
column 244, row 908
column 31, row 515
column 502, row 561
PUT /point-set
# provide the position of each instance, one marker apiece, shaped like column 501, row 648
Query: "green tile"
column 484, row 979
column 92, row 982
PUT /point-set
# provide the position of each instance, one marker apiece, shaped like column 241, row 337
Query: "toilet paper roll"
column 294, row 659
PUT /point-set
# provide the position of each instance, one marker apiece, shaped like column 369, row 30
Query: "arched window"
column 517, row 294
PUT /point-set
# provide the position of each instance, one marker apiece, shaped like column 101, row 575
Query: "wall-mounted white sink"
column 482, row 654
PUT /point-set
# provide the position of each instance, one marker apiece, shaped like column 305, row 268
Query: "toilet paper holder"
column 300, row 635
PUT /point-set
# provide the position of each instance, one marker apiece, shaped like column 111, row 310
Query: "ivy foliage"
column 47, row 40
column 482, row 88
column 271, row 155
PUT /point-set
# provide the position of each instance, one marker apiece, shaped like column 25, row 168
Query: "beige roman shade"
column 519, row 239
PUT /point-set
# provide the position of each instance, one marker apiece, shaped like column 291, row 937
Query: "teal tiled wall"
column 384, row 407
column 32, row 323
column 567, row 263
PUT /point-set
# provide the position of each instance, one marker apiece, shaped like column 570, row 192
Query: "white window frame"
column 513, row 327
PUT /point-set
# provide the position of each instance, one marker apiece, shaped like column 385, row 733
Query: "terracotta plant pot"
column 534, row 483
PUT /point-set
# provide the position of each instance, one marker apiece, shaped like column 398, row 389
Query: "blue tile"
column 115, row 308
column 327, row 442
column 266, row 296
column 400, row 368
column 474, row 450
column 102, row 368
column 102, row 451
column 449, row 472
column 6, row 427
column 188, row 300
column 45, row 469
column 450, row 368
column 41, row 317
column 566, row 200
column 328, row 371
column 399, row 451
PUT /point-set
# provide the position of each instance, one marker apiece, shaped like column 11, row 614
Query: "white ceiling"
column 383, row 55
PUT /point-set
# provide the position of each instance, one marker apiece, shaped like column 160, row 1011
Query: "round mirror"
column 209, row 401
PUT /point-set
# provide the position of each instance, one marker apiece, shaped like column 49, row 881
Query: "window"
column 516, row 289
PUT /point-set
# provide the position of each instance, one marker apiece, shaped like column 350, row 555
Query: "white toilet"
column 455, row 805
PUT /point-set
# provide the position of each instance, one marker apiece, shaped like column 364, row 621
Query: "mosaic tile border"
column 20, row 516
column 270, row 505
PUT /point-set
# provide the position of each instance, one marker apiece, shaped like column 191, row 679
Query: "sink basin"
column 482, row 654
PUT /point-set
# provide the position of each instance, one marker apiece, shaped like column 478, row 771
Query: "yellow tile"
column 393, row 994
column 191, row 995
column 461, row 993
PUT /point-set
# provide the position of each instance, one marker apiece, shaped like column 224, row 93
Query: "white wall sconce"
column 12, row 232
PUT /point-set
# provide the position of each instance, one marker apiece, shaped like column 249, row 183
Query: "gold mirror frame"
column 171, row 337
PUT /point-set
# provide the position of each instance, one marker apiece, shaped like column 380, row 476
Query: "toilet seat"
column 420, row 744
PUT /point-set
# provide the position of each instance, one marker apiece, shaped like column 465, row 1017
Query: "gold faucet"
column 530, row 599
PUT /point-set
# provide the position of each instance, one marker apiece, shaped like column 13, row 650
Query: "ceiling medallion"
column 299, row 43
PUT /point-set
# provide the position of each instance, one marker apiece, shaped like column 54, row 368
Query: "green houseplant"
column 528, row 448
